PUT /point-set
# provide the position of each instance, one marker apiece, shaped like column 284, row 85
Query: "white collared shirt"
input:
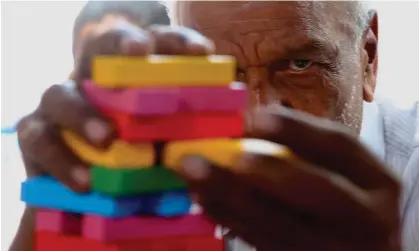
column 372, row 130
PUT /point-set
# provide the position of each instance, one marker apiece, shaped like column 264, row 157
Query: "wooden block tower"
column 164, row 108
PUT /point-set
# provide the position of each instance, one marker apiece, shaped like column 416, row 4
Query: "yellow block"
column 163, row 71
column 222, row 152
column 119, row 154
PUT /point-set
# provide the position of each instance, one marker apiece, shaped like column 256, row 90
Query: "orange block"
column 223, row 152
column 119, row 154
column 49, row 241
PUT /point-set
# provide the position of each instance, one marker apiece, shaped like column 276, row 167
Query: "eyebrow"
column 318, row 49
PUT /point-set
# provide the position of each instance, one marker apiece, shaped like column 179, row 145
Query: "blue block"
column 168, row 204
column 46, row 192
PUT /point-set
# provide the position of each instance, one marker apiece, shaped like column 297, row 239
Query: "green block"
column 129, row 181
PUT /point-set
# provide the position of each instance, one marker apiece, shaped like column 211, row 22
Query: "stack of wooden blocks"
column 164, row 108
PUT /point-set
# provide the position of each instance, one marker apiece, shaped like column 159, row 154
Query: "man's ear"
column 371, row 64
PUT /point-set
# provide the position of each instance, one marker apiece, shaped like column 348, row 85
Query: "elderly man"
column 309, row 67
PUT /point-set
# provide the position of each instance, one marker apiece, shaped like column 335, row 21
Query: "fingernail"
column 195, row 168
column 138, row 44
column 266, row 122
column 203, row 44
column 97, row 130
column 126, row 45
column 80, row 176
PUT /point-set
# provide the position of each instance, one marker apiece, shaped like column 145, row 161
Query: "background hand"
column 340, row 197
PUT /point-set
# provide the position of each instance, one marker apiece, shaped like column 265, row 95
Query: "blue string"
column 8, row 130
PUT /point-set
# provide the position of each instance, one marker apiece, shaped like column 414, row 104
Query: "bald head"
column 190, row 13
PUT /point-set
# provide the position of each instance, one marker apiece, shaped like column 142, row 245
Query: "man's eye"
column 299, row 64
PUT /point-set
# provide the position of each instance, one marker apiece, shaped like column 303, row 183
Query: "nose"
column 257, row 79
column 263, row 92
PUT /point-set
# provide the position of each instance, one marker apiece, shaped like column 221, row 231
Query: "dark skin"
column 338, row 197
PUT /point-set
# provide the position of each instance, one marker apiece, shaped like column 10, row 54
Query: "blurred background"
column 36, row 53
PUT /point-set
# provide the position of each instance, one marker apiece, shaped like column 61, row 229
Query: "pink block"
column 146, row 101
column 107, row 229
column 58, row 222
column 159, row 101
column 231, row 98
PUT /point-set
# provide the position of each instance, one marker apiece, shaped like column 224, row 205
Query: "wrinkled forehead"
column 249, row 16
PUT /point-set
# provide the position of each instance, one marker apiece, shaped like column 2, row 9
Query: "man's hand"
column 339, row 197
column 63, row 106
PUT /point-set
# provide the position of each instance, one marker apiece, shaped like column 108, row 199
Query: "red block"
column 57, row 221
column 109, row 230
column 49, row 241
column 180, row 126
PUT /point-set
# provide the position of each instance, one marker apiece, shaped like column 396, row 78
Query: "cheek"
column 314, row 93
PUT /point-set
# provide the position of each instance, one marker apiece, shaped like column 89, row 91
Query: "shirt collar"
column 372, row 130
